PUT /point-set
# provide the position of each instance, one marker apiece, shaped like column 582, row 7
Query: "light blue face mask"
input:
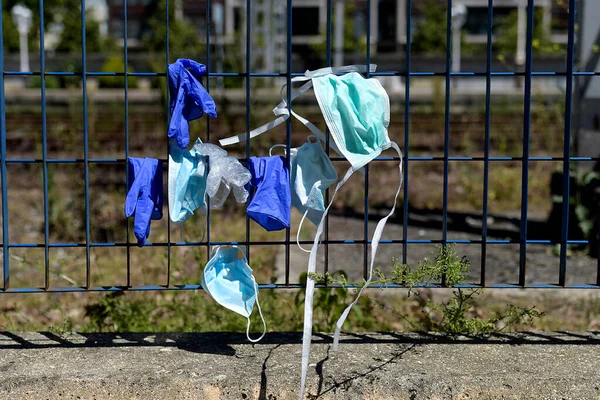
column 311, row 173
column 187, row 183
column 228, row 279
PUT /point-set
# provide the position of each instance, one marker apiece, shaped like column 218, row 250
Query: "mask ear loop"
column 298, row 233
column 275, row 146
column 261, row 317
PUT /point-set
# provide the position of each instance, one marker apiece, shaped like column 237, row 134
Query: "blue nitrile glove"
column 189, row 99
column 144, row 196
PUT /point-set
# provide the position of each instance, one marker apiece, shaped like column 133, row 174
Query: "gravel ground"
column 502, row 260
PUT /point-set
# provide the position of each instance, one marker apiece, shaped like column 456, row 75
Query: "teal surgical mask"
column 228, row 279
column 357, row 112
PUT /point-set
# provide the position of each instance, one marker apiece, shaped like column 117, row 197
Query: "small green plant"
column 453, row 316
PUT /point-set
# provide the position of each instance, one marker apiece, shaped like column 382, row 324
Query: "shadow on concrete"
column 345, row 383
column 221, row 342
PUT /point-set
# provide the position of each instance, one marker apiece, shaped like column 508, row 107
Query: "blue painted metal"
column 327, row 135
column 406, row 131
column 85, row 147
column 208, row 73
column 168, row 119
column 44, row 150
column 5, row 240
column 526, row 142
column 288, row 124
column 126, row 111
column 366, row 185
column 288, row 74
column 564, row 231
column 283, row 74
column 486, row 151
column 447, row 126
column 248, row 69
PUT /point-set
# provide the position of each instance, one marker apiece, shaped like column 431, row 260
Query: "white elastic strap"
column 282, row 111
column 298, row 233
column 275, row 146
column 310, row 288
column 261, row 317
column 374, row 244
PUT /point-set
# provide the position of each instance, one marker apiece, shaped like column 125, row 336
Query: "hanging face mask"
column 311, row 173
column 357, row 112
column 228, row 279
column 187, row 183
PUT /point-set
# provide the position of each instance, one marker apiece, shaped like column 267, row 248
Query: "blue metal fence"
column 487, row 159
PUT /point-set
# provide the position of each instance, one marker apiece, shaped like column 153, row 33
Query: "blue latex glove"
column 144, row 196
column 189, row 99
column 271, row 201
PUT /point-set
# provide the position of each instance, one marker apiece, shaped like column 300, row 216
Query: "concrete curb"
column 367, row 366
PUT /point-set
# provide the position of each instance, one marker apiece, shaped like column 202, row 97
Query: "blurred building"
column 309, row 22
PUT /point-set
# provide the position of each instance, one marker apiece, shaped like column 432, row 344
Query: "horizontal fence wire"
column 402, row 215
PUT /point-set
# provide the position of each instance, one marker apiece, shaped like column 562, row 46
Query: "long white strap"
column 310, row 288
column 374, row 245
column 283, row 113
column 312, row 262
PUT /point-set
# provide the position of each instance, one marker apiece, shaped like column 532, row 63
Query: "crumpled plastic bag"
column 226, row 174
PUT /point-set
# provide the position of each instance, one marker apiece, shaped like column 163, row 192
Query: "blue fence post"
column 526, row 142
column 5, row 238
column 406, row 132
column 126, row 111
column 448, row 74
column 486, row 156
column 44, row 149
column 564, row 235
column 85, row 145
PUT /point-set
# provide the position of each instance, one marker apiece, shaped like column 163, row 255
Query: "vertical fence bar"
column 447, row 126
column 486, row 151
column 85, row 146
column 366, row 199
column 288, row 125
column 5, row 241
column 526, row 142
column 44, row 149
column 406, row 131
column 126, row 111
column 248, row 45
column 564, row 231
column 207, row 222
column 327, row 138
column 168, row 118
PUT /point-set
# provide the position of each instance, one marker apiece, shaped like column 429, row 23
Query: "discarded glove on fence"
column 271, row 202
column 145, row 195
column 189, row 99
